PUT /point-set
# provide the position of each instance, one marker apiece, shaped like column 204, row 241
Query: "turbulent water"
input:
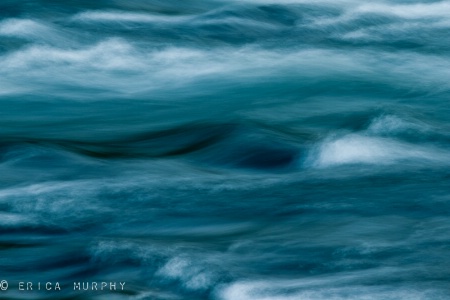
column 225, row 150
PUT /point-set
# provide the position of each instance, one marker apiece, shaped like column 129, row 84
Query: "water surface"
column 225, row 150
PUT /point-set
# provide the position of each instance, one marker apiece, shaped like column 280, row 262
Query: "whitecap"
column 362, row 149
column 321, row 289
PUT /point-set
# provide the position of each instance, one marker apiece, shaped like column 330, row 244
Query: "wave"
column 124, row 16
column 23, row 28
column 232, row 18
column 192, row 272
column 440, row 9
column 388, row 139
column 351, row 7
column 380, row 25
column 293, row 290
column 48, row 204
column 391, row 124
column 192, row 276
column 38, row 32
column 170, row 71
column 360, row 149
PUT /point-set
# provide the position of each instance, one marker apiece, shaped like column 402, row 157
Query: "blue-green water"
column 225, row 150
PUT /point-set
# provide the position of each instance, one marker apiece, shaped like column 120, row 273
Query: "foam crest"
column 52, row 202
column 32, row 30
column 408, row 11
column 192, row 276
column 360, row 149
column 122, row 16
column 103, row 65
column 391, row 124
column 322, row 289
column 190, row 273
column 110, row 54
column 414, row 16
column 98, row 67
column 21, row 28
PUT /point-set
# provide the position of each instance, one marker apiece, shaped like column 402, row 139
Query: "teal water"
column 225, row 150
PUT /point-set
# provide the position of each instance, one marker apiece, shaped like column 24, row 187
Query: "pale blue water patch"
column 225, row 150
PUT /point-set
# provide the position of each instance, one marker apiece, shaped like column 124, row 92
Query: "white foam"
column 192, row 275
column 110, row 54
column 55, row 203
column 361, row 149
column 126, row 17
column 97, row 66
column 123, row 16
column 22, row 28
column 33, row 30
column 412, row 16
column 352, row 8
column 321, row 290
column 102, row 66
column 408, row 11
column 392, row 124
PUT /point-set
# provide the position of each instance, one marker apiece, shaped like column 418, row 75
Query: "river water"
column 225, row 150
